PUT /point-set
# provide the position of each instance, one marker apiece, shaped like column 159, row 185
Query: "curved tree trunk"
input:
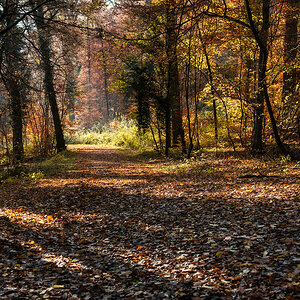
column 261, row 39
column 48, row 77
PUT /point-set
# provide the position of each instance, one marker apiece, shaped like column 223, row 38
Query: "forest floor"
column 122, row 226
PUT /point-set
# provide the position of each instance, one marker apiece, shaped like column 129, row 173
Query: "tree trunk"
column 290, row 58
column 261, row 39
column 168, row 128
column 12, row 79
column 212, row 88
column 173, row 88
column 48, row 77
column 257, row 138
column 17, row 121
column 104, row 62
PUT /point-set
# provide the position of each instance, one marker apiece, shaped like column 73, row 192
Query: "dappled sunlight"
column 124, row 228
column 20, row 215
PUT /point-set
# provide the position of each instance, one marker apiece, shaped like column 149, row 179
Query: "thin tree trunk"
column 187, row 88
column 196, row 112
column 153, row 136
column 212, row 88
column 104, row 61
column 257, row 139
column 168, row 128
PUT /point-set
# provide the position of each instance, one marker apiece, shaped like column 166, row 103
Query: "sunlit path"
column 117, row 227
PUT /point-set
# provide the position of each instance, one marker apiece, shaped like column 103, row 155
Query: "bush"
column 123, row 133
column 31, row 172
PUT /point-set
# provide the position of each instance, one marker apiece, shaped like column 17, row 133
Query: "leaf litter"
column 118, row 228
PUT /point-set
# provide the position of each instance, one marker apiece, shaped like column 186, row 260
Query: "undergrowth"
column 31, row 172
column 123, row 134
column 207, row 165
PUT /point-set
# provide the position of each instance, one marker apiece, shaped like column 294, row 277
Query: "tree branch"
column 8, row 28
column 253, row 27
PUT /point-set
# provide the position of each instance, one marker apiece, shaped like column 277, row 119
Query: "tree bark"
column 212, row 88
column 104, row 62
column 17, row 120
column 258, row 107
column 12, row 79
column 173, row 88
column 290, row 74
column 48, row 77
column 262, row 39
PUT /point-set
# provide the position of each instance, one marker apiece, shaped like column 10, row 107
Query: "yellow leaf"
column 248, row 223
column 58, row 286
column 219, row 253
column 50, row 218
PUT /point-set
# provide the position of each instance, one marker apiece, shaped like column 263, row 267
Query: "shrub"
column 124, row 133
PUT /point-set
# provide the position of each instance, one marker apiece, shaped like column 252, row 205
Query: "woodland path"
column 116, row 227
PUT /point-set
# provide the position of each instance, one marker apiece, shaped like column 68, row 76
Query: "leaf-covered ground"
column 120, row 227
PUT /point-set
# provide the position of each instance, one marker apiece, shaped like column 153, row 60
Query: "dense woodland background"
column 188, row 74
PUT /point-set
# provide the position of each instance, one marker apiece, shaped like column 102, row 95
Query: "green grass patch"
column 33, row 171
column 120, row 134
column 59, row 162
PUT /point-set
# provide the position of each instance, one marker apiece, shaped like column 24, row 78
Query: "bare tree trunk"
column 290, row 74
column 104, row 62
column 168, row 127
column 258, row 107
column 261, row 39
column 187, row 90
column 212, row 89
column 16, row 114
column 48, row 77
column 196, row 102
column 173, row 76
column 290, row 49
column 13, row 81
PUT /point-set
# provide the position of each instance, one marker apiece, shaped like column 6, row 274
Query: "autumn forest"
column 149, row 149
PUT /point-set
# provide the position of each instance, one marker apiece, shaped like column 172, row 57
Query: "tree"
column 13, row 74
column 261, row 36
column 291, row 101
column 25, row 9
column 173, row 85
column 44, row 43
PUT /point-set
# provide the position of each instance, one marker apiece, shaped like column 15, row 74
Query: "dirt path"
column 116, row 228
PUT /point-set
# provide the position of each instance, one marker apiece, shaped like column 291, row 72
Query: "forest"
column 188, row 75
column 149, row 149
